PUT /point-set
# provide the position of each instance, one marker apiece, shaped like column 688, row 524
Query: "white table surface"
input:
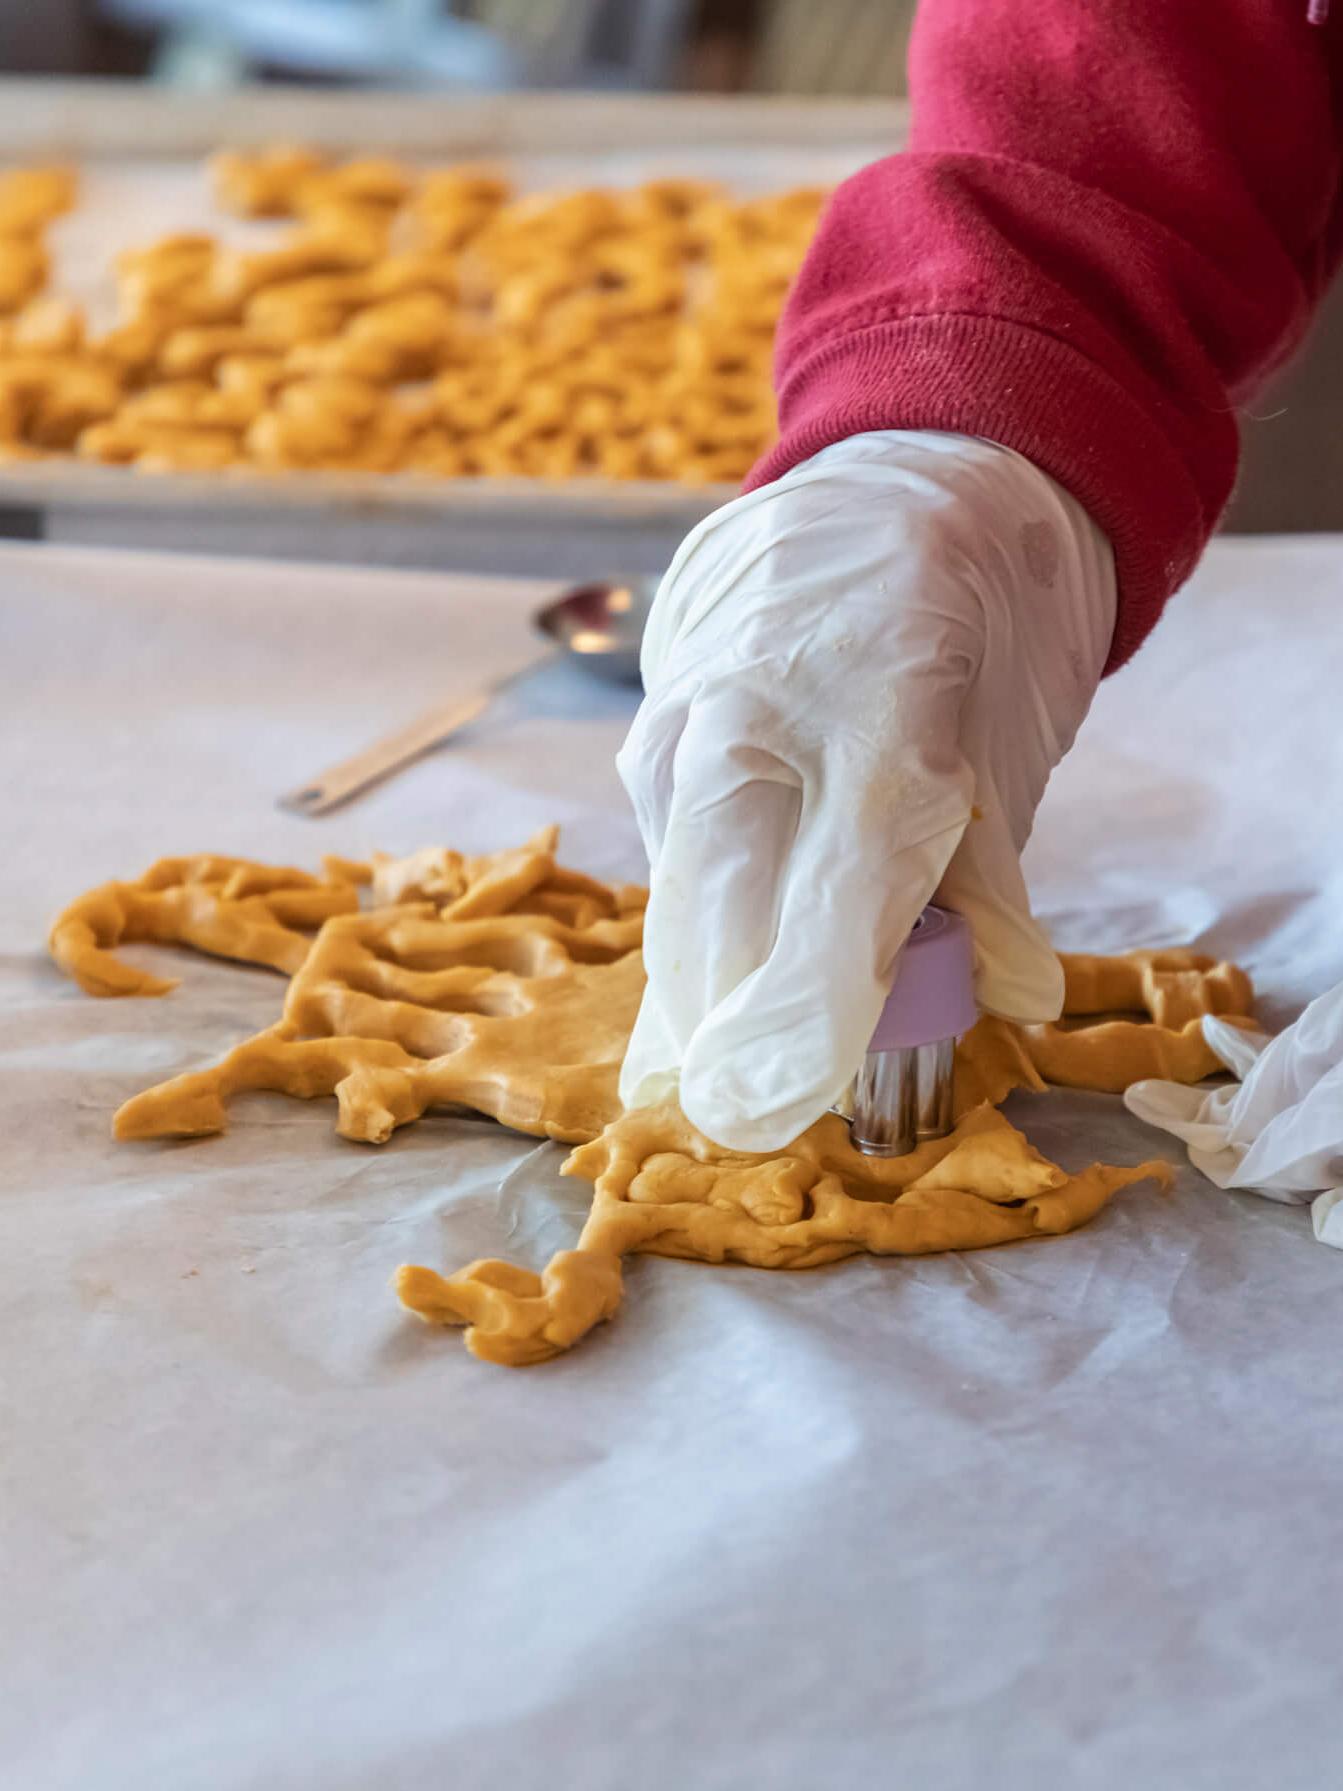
column 1061, row 1514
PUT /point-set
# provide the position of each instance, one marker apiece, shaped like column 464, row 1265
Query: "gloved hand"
column 839, row 667
column 1279, row 1131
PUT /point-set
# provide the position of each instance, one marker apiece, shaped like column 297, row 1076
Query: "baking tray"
column 140, row 150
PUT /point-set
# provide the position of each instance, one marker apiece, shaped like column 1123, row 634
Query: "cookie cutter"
column 903, row 1092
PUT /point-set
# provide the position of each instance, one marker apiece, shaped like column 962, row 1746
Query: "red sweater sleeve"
column 1113, row 218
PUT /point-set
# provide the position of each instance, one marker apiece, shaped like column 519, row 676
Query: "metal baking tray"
column 141, row 151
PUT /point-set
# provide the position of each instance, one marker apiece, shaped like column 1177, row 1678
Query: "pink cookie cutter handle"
column 933, row 995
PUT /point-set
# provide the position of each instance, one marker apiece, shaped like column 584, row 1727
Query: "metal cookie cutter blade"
column 903, row 1091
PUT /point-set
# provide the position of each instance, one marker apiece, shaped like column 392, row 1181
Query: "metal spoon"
column 599, row 626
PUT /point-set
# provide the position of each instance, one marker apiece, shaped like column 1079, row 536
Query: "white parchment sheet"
column 1063, row 1514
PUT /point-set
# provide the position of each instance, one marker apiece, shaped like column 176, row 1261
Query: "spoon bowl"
column 601, row 625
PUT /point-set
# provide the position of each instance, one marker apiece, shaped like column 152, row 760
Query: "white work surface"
column 1062, row 1514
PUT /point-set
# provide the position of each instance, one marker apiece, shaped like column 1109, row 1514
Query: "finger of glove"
column 651, row 1068
column 714, row 903
column 773, row 1054
column 646, row 766
column 1017, row 971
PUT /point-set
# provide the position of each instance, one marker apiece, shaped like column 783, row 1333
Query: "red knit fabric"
column 1113, row 219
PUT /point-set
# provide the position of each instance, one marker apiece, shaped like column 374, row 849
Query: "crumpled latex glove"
column 1279, row 1131
column 840, row 668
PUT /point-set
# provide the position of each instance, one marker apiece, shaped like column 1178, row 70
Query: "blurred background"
column 779, row 46
column 1293, row 467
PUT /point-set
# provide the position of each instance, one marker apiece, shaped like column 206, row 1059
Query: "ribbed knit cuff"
column 1025, row 390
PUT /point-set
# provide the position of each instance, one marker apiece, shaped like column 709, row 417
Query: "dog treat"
column 663, row 1189
column 23, row 271
column 55, row 397
column 612, row 333
column 264, row 183
column 30, row 198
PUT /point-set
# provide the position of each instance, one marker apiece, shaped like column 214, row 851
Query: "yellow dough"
column 518, row 1016
column 524, row 1014
column 1171, row 987
column 508, row 984
column 266, row 914
column 515, row 998
column 662, row 1188
column 229, row 907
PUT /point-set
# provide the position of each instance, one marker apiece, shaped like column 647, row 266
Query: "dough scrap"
column 1171, row 986
column 521, row 1015
column 1108, row 1050
column 512, row 990
column 267, row 914
column 661, row 1188
column 508, row 984
column 519, row 880
column 228, row 907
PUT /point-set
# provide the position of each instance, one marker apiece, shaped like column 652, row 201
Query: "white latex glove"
column 1279, row 1131
column 838, row 666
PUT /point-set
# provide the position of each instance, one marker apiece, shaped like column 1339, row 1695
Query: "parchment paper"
column 1064, row 1514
